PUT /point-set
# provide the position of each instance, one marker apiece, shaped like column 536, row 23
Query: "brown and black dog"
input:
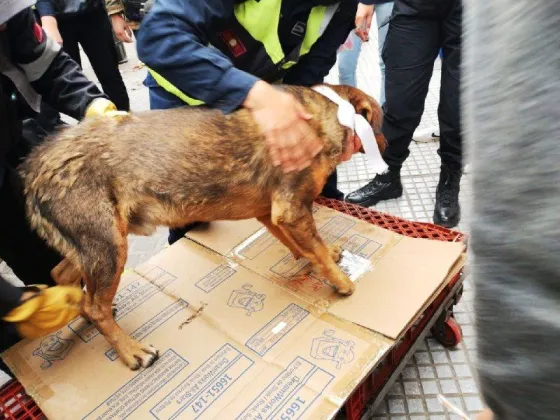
column 95, row 183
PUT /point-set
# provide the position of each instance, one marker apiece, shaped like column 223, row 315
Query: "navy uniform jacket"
column 173, row 41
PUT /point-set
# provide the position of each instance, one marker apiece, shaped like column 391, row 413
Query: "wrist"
column 258, row 95
column 117, row 16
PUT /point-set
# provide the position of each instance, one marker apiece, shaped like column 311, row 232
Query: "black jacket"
column 61, row 83
column 66, row 8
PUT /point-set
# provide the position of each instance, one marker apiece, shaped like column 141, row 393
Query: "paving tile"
column 444, row 371
column 434, row 406
column 430, row 387
column 412, row 388
column 415, row 405
column 448, row 386
column 396, row 406
column 474, row 404
column 426, row 372
column 440, row 357
column 468, row 386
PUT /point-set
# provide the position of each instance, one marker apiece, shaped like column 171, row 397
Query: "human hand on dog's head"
column 291, row 142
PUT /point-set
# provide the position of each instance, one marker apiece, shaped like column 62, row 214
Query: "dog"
column 94, row 183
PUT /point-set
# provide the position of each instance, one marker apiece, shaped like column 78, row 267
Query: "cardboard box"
column 243, row 332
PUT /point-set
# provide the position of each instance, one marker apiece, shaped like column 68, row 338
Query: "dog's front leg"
column 297, row 223
column 281, row 236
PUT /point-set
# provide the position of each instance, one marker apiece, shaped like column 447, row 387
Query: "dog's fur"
column 95, row 183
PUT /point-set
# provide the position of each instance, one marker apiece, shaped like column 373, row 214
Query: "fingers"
column 363, row 20
column 127, row 34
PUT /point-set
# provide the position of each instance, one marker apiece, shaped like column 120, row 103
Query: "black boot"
column 382, row 187
column 448, row 212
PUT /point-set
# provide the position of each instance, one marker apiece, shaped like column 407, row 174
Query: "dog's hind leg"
column 281, row 236
column 103, row 261
column 297, row 223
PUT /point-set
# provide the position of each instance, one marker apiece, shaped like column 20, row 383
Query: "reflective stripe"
column 318, row 21
column 165, row 84
column 37, row 68
column 257, row 18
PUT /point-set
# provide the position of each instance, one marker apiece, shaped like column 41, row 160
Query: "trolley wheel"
column 447, row 331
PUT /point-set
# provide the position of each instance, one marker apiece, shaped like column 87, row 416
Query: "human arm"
column 47, row 11
column 115, row 9
column 206, row 74
column 52, row 73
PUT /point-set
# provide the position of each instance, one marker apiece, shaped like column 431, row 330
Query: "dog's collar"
column 348, row 117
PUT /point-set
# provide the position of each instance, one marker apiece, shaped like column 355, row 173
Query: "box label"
column 136, row 391
column 155, row 322
column 361, row 246
column 275, row 330
column 290, row 394
column 216, row 277
column 192, row 397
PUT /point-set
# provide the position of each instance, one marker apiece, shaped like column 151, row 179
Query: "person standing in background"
column 512, row 127
column 417, row 31
column 72, row 23
column 349, row 54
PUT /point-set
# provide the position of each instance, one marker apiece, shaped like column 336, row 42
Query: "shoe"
column 448, row 212
column 179, row 233
column 382, row 187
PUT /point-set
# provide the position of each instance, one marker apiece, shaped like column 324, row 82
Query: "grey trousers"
column 511, row 105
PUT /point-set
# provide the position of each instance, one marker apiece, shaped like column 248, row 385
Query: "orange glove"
column 46, row 311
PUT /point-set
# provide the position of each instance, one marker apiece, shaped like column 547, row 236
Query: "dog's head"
column 367, row 107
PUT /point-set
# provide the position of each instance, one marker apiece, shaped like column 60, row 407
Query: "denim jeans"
column 348, row 59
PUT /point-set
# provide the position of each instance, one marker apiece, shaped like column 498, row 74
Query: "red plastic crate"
column 16, row 404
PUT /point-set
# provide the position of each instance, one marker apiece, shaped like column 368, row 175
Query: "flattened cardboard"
column 238, row 340
column 395, row 275
column 254, row 350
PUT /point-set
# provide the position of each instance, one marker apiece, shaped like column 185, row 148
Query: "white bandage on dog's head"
column 348, row 117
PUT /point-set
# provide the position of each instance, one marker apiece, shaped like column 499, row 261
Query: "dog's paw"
column 347, row 289
column 136, row 355
column 335, row 252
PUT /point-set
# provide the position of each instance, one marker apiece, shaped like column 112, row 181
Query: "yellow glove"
column 48, row 310
column 103, row 107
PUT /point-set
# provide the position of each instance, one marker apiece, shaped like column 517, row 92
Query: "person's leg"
column 383, row 13
column 410, row 48
column 348, row 61
column 30, row 258
column 447, row 211
column 69, row 31
column 330, row 190
column 96, row 38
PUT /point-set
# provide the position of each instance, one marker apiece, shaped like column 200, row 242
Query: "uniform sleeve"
column 45, row 7
column 10, row 296
column 53, row 74
column 173, row 42
column 114, row 7
column 316, row 64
